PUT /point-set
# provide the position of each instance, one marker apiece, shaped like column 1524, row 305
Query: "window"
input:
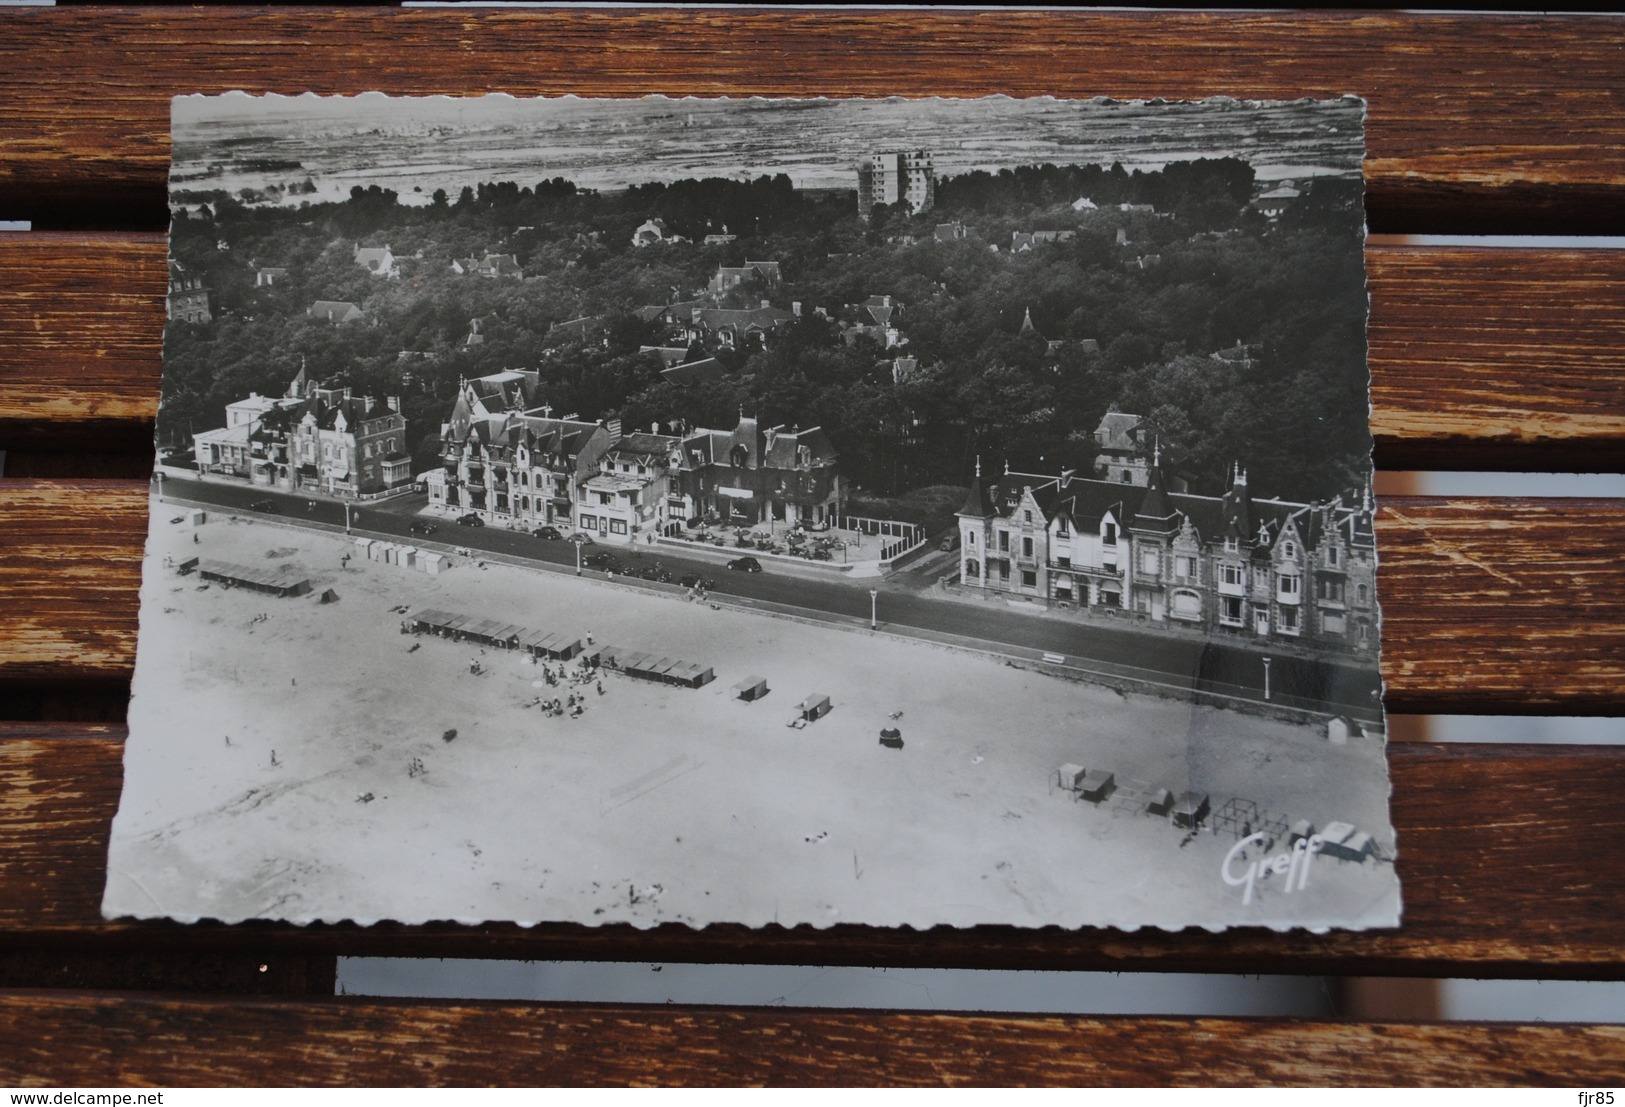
column 1026, row 547
column 1004, row 571
column 1026, row 516
column 1289, row 550
column 1289, row 620
column 1290, row 584
column 970, row 538
column 1029, row 579
column 1185, row 567
column 1361, row 592
column 1231, row 573
column 1004, row 541
column 1330, row 589
column 1109, row 535
column 1230, row 614
column 1331, row 556
column 1061, row 530
column 1128, row 476
column 1232, row 544
column 589, row 522
column 1063, row 561
column 1148, row 561
column 973, row 569
column 617, row 526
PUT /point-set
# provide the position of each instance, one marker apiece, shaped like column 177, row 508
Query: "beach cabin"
column 751, row 689
column 1191, row 810
column 1343, row 842
column 814, row 707
column 432, row 563
column 406, row 557
column 1096, row 785
column 1070, row 777
column 198, row 516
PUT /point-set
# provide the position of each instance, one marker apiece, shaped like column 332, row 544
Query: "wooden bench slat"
column 120, row 1041
column 1477, row 596
column 1459, row 133
column 1510, row 857
column 1510, row 358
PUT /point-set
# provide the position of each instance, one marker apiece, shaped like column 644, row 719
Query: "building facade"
column 888, row 178
column 1256, row 568
column 748, row 475
column 506, row 459
column 188, row 300
column 313, row 438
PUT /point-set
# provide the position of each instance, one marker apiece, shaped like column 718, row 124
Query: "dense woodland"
column 1196, row 276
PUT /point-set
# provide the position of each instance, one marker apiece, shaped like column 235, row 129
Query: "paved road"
column 1192, row 663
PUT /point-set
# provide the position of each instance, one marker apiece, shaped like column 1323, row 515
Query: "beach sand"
column 665, row 804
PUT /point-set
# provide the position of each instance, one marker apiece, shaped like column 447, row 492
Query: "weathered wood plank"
column 1495, row 885
column 1479, row 357
column 128, row 1040
column 1489, row 605
column 1460, row 128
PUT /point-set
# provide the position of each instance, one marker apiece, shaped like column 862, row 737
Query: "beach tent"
column 1191, row 809
column 751, row 689
column 814, row 707
column 330, row 596
column 891, row 738
column 186, row 566
column 1160, row 803
column 1345, row 843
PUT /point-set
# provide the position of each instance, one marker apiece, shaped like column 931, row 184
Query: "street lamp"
column 874, row 598
column 159, row 473
column 577, row 543
column 1266, row 678
column 346, row 516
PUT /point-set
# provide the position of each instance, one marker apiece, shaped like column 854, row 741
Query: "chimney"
column 614, row 427
column 654, row 428
column 394, row 403
column 766, row 304
column 795, row 308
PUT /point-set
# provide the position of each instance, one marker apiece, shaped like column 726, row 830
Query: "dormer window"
column 1331, row 556
column 1232, row 544
column 1288, row 550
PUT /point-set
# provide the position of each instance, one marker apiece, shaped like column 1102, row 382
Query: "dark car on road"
column 552, row 534
column 694, row 580
column 267, row 506
column 424, row 528
column 602, row 560
column 470, row 520
column 582, row 538
column 745, row 565
column 654, row 573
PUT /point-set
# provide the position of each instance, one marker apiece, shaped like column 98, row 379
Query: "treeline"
column 1127, row 311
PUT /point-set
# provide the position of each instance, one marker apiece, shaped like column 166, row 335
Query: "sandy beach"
column 287, row 760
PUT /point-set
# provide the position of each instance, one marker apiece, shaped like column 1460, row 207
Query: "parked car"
column 694, row 580
column 267, row 506
column 552, row 534
column 424, row 528
column 745, row 565
column 600, row 560
column 582, row 538
column 470, row 520
column 949, row 541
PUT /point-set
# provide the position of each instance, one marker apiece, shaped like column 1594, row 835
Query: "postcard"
column 769, row 511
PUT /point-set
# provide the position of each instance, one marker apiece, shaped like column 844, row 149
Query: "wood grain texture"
column 1511, row 358
column 1461, row 133
column 1489, row 604
column 91, row 1040
column 1512, row 859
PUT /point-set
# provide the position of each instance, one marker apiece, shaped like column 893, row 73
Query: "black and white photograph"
column 761, row 511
